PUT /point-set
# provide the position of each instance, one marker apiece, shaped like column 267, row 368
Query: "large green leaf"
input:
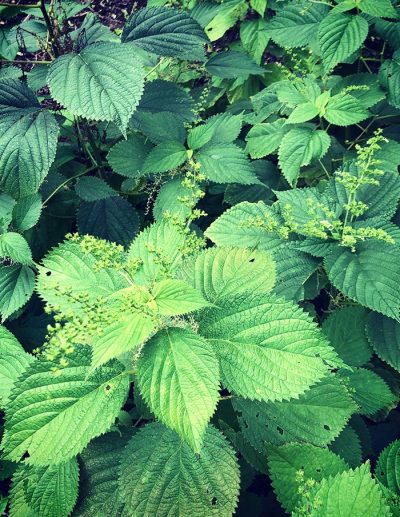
column 99, row 491
column 83, row 85
column 28, row 139
column 175, row 297
column 178, row 378
column 128, row 156
column 74, row 268
column 112, row 218
column 384, row 336
column 388, row 467
column 317, row 417
column 48, row 425
column 264, row 139
column 295, row 25
column 345, row 329
column 250, row 225
column 286, row 461
column 165, row 157
column 339, row 35
column 50, row 490
column 370, row 275
column 345, row 110
column 16, row 287
column 218, row 272
column 13, row 246
column 229, row 65
column 268, row 348
column 13, row 361
column 352, row 492
column 166, row 32
column 187, row 483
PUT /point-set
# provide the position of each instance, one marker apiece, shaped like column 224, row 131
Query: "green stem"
column 50, row 29
column 154, row 68
column 66, row 183
column 20, row 6
column 24, row 62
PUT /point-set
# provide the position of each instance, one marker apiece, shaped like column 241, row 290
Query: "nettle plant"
column 200, row 243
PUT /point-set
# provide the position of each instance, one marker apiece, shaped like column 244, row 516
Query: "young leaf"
column 174, row 297
column 166, row 32
column 165, row 157
column 339, row 35
column 188, row 483
column 80, row 83
column 28, row 139
column 299, row 147
column 226, row 163
column 56, row 435
column 261, row 341
column 264, row 139
column 178, row 378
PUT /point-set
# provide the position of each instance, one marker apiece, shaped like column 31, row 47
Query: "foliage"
column 200, row 244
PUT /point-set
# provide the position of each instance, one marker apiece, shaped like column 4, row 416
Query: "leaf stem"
column 67, row 181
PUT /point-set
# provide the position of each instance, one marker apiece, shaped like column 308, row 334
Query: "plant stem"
column 53, row 41
column 154, row 68
column 24, row 62
column 67, row 181
column 20, row 6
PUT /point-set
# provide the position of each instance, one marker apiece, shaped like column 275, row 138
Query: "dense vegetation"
column 200, row 245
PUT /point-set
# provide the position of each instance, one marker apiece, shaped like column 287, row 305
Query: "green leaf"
column 388, row 467
column 268, row 348
column 231, row 64
column 223, row 128
column 73, row 268
column 50, row 490
column 13, row 361
column 187, row 483
column 264, row 139
column 81, row 84
column 293, row 270
column 159, row 248
column 226, row 163
column 170, row 199
column 303, row 113
column 352, row 492
column 165, row 157
column 369, row 276
column 26, row 212
column 56, row 435
column 345, row 110
column 369, row 391
column 91, row 188
column 218, row 272
column 127, row 157
column 113, row 219
column 254, row 37
column 347, row 445
column 295, row 25
column 339, row 36
column 345, row 329
column 286, row 461
column 15, row 247
column 380, row 8
column 165, row 32
column 174, row 297
column 299, row 147
column 250, row 225
column 127, row 333
column 99, row 489
column 317, row 417
column 18, row 504
column 178, row 378
column 7, row 205
column 384, row 336
column 259, row 6
column 221, row 17
column 28, row 139
column 16, row 287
